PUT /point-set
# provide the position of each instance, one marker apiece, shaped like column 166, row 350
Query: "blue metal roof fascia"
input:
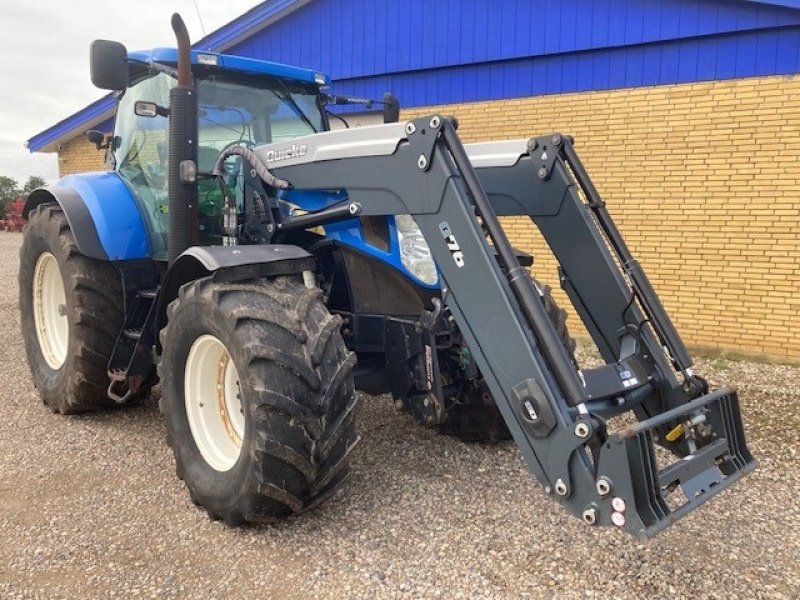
column 233, row 63
column 254, row 20
column 96, row 110
column 734, row 56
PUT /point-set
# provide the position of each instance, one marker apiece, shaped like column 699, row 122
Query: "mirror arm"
column 158, row 67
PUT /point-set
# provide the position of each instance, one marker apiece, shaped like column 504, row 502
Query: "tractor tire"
column 257, row 389
column 479, row 420
column 71, row 310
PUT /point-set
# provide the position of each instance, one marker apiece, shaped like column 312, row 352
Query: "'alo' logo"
column 294, row 151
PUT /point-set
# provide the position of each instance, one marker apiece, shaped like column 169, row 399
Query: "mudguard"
column 102, row 213
column 229, row 263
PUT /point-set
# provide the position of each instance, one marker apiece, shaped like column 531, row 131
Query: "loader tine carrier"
column 555, row 413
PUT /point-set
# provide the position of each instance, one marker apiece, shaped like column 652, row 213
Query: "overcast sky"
column 44, row 60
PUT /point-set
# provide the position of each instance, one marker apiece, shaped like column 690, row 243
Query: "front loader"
column 262, row 267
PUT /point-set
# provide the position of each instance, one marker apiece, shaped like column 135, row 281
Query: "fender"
column 102, row 213
column 226, row 264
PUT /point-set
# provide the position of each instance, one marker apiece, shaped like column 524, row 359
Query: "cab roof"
column 228, row 62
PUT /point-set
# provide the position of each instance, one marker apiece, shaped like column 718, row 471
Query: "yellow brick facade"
column 703, row 180
column 79, row 155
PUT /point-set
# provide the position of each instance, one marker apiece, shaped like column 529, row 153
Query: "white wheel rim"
column 50, row 311
column 213, row 402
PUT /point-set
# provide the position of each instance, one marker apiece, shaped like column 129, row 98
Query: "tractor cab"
column 241, row 102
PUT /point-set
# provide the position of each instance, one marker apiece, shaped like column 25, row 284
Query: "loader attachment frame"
column 555, row 412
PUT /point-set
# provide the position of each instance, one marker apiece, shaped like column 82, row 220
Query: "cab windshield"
column 233, row 110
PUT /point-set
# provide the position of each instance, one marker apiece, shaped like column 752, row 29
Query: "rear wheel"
column 475, row 417
column 71, row 312
column 258, row 394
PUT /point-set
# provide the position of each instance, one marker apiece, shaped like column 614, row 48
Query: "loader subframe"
column 555, row 412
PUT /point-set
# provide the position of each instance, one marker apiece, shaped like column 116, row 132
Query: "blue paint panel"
column 634, row 68
column 707, row 59
column 635, row 22
column 115, row 214
column 703, row 59
column 601, row 15
column 508, row 29
column 386, row 40
column 787, row 45
column 689, row 18
column 746, row 56
column 687, row 60
column 449, row 33
column 615, row 24
column 583, row 31
column 766, row 52
column 522, row 31
column 726, row 60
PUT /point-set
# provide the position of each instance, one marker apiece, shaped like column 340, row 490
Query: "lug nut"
column 618, row 504
column 422, row 162
column 410, row 128
column 603, row 486
column 561, row 487
column 590, row 516
column 435, row 122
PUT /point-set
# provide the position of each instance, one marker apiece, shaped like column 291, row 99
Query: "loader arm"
column 555, row 413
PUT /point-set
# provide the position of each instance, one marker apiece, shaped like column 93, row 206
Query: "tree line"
column 10, row 189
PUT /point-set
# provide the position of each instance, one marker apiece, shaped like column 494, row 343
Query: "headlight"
column 414, row 251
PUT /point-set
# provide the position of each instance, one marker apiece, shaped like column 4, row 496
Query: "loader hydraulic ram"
column 558, row 414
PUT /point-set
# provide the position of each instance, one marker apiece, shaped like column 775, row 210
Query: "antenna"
column 199, row 17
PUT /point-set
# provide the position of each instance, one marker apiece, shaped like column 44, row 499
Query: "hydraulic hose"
column 258, row 164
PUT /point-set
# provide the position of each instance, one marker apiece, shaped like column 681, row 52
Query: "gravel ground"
column 90, row 507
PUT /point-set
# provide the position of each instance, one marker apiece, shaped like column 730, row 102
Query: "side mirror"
column 149, row 109
column 98, row 138
column 108, row 65
column 391, row 108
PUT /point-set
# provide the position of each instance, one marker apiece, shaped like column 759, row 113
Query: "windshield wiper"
column 286, row 96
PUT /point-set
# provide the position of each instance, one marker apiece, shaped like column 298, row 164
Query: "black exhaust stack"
column 182, row 161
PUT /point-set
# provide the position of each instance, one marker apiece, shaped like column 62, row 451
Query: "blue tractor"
column 260, row 268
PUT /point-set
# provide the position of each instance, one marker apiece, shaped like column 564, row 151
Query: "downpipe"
column 182, row 158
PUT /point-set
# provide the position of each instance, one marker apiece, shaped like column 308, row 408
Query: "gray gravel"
column 90, row 507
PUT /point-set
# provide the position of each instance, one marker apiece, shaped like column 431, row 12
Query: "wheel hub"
column 213, row 402
column 50, row 311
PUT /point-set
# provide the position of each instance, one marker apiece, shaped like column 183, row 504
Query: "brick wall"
column 703, row 180
column 79, row 155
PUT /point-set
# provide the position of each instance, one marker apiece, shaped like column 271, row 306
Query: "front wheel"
column 258, row 394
